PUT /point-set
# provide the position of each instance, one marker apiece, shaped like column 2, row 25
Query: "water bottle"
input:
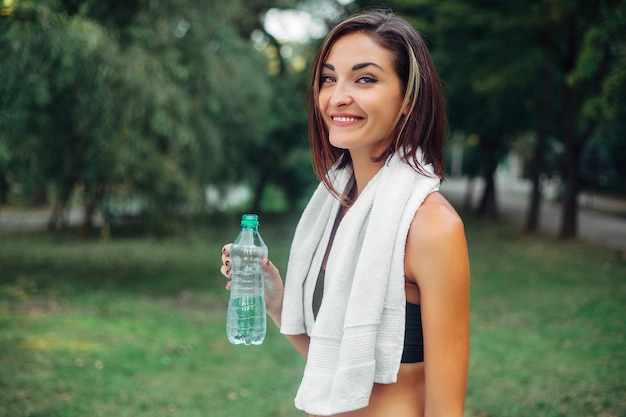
column 246, row 319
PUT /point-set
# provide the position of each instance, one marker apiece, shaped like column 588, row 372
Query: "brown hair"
column 424, row 125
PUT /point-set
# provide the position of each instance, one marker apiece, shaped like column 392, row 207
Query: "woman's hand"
column 273, row 283
column 226, row 268
column 273, row 295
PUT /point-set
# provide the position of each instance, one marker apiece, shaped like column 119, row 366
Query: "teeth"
column 345, row 119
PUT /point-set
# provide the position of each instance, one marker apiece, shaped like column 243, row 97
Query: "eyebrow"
column 355, row 67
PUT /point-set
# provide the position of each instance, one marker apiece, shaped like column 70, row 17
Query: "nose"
column 341, row 95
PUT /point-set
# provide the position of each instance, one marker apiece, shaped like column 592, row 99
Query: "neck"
column 364, row 170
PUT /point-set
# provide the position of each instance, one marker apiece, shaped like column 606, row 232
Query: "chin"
column 339, row 144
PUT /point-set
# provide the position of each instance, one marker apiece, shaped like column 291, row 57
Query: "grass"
column 135, row 327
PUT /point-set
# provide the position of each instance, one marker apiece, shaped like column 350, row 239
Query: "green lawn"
column 135, row 327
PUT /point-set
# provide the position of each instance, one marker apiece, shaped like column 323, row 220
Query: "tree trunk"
column 87, row 225
column 573, row 151
column 488, row 206
column 534, row 208
column 40, row 196
column 569, row 222
column 4, row 188
column 93, row 198
column 574, row 140
column 468, row 201
column 569, row 215
column 538, row 161
column 57, row 220
column 569, row 219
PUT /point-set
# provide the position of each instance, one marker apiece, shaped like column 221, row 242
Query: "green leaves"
column 159, row 96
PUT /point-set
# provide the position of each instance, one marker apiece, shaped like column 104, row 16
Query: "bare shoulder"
column 436, row 248
column 436, row 256
column 435, row 221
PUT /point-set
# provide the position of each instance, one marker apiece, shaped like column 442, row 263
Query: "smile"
column 344, row 119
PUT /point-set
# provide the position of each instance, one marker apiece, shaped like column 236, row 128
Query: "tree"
column 57, row 99
column 475, row 47
column 594, row 79
column 513, row 66
column 152, row 100
column 481, row 52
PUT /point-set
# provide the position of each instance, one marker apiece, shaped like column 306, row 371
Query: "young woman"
column 377, row 290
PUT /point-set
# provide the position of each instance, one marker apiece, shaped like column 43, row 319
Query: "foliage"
column 59, row 116
column 162, row 98
column 549, row 68
column 602, row 164
column 158, row 99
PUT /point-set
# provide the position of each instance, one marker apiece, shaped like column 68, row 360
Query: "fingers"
column 226, row 253
column 227, row 273
column 226, row 268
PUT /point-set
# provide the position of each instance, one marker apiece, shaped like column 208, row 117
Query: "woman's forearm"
column 299, row 341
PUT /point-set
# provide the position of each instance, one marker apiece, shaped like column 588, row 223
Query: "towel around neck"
column 357, row 338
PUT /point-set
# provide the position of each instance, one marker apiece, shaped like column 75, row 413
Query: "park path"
column 12, row 220
column 600, row 220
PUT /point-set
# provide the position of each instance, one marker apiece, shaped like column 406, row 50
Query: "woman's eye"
column 327, row 79
column 367, row 80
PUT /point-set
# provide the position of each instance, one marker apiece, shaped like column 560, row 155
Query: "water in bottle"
column 246, row 317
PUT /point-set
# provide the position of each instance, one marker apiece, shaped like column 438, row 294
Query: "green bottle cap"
column 250, row 220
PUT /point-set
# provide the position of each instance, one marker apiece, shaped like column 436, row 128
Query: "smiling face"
column 366, row 108
column 360, row 95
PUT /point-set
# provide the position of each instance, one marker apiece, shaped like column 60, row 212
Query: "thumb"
column 270, row 268
column 273, row 281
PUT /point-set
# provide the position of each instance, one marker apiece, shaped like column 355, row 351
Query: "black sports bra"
column 413, row 337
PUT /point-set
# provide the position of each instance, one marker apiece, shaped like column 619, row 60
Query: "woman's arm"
column 437, row 259
column 274, row 292
column 274, row 302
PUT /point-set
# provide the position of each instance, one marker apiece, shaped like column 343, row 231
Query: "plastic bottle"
column 246, row 319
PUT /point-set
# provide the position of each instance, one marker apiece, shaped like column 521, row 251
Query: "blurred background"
column 163, row 111
column 134, row 134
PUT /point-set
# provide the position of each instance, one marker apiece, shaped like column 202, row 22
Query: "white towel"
column 358, row 336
